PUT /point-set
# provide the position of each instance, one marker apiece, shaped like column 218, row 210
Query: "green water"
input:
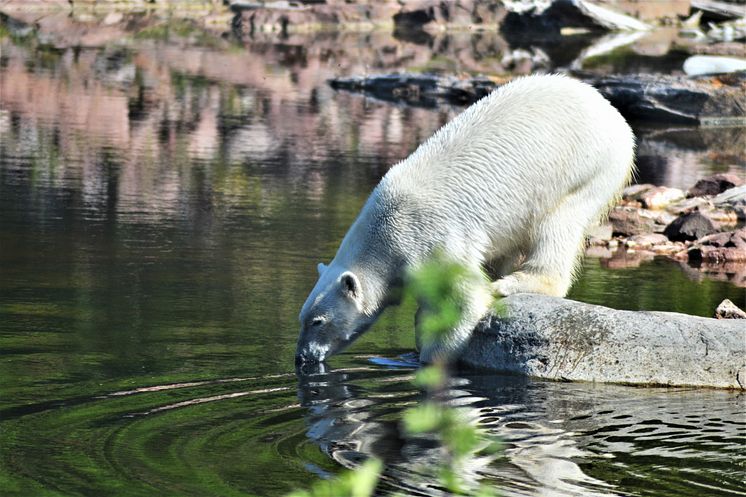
column 163, row 205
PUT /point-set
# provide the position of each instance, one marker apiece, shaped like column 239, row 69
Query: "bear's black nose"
column 306, row 357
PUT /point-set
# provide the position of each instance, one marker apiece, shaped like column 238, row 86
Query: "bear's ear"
column 321, row 267
column 350, row 285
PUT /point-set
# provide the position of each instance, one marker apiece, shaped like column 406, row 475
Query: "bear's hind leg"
column 550, row 263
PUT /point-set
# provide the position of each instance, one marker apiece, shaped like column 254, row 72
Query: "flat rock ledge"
column 708, row 100
column 560, row 339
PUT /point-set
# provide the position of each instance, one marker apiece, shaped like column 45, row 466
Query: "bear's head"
column 333, row 316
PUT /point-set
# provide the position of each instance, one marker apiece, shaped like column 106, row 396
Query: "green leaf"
column 360, row 482
column 450, row 480
column 365, row 478
column 423, row 419
column 462, row 439
column 430, row 377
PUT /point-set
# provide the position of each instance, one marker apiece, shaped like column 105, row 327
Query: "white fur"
column 513, row 181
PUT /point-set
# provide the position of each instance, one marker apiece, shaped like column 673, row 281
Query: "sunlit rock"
column 549, row 337
column 710, row 64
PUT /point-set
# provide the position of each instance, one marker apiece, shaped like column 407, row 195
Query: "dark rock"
column 690, row 227
column 418, row 89
column 729, row 310
column 714, row 185
column 677, row 99
column 531, row 19
column 720, row 247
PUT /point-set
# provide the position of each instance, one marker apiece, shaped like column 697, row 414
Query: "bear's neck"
column 368, row 250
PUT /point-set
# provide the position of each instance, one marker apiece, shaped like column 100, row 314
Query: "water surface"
column 163, row 204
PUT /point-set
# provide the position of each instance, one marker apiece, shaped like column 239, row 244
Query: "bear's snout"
column 309, row 352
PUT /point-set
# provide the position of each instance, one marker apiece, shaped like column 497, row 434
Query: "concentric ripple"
column 270, row 434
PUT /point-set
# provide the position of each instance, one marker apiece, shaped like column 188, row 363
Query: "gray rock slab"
column 560, row 339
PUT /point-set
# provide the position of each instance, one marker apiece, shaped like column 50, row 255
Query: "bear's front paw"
column 505, row 286
column 521, row 282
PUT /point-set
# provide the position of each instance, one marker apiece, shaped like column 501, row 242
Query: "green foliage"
column 358, row 483
column 430, row 377
column 438, row 286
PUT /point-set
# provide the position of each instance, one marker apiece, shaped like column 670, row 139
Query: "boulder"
column 560, row 339
column 729, row 310
column 628, row 221
column 690, row 227
column 633, row 192
column 733, row 199
column 676, row 99
column 660, row 196
column 685, row 206
column 718, row 10
column 714, row 185
column 727, row 217
column 712, row 64
column 718, row 248
column 647, row 240
column 542, row 19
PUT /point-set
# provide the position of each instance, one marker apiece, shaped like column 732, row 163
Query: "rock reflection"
column 559, row 438
column 159, row 108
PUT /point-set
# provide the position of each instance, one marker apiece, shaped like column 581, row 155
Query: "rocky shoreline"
column 702, row 228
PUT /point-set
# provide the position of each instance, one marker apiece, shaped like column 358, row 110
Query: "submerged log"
column 672, row 99
column 560, row 339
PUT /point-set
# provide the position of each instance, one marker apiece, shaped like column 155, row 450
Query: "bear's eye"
column 318, row 321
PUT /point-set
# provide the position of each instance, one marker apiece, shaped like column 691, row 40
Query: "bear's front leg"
column 477, row 300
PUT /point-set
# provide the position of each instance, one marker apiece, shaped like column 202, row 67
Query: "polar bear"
column 512, row 182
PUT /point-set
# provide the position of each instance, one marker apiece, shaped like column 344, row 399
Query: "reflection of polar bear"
column 513, row 182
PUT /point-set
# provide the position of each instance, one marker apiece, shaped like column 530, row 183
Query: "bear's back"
column 523, row 147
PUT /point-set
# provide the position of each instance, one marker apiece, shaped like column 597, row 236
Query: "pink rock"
column 646, row 240
column 660, row 196
column 633, row 192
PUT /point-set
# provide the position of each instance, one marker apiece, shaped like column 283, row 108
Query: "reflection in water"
column 560, row 439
